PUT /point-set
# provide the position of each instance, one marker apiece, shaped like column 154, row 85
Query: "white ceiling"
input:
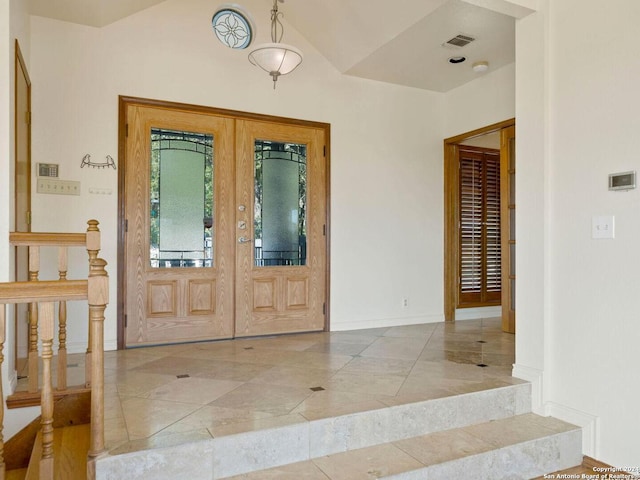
column 397, row 42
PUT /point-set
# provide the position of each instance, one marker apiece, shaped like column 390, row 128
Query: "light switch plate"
column 58, row 187
column 603, row 226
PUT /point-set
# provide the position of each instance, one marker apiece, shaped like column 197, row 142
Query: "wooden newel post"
column 98, row 295
column 93, row 248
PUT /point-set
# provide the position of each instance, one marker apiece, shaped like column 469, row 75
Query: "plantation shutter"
column 479, row 249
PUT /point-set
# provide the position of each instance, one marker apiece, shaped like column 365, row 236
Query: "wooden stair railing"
column 34, row 241
column 42, row 297
column 46, row 293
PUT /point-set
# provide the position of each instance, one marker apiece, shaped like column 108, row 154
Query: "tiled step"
column 251, row 451
column 519, row 447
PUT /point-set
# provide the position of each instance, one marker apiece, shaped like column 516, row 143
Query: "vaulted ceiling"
column 402, row 42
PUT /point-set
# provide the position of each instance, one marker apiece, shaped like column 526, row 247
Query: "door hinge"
column 126, row 226
column 126, row 129
column 324, row 230
column 324, row 151
column 324, row 309
column 126, row 321
column 28, row 217
column 27, row 117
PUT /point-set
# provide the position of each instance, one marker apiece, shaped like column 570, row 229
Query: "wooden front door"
column 281, row 251
column 225, row 226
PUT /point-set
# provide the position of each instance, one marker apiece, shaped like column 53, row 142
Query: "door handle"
column 244, row 240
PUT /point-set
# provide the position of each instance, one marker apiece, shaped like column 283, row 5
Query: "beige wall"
column 386, row 165
column 578, row 326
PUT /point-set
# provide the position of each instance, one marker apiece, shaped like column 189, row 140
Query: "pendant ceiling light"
column 276, row 58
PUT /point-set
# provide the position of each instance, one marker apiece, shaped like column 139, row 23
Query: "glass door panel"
column 280, row 203
column 181, row 199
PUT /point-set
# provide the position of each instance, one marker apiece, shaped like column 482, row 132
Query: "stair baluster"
column 47, row 321
column 34, row 269
column 63, row 253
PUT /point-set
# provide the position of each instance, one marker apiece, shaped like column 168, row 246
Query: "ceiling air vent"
column 458, row 41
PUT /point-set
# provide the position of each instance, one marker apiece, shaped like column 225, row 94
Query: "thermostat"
column 622, row 181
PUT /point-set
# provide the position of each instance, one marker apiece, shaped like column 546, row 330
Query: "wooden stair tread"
column 70, row 449
column 22, row 399
column 17, row 474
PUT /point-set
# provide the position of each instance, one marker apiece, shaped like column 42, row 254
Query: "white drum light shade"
column 276, row 58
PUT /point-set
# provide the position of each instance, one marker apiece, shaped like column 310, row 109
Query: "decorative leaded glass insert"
column 280, row 230
column 181, row 196
column 232, row 27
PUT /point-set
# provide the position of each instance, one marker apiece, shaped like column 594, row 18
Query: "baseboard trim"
column 590, row 425
column 13, row 381
column 81, row 347
column 477, row 313
column 533, row 376
column 384, row 322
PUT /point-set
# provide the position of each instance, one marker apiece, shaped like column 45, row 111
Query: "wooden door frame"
column 451, row 212
column 20, row 69
column 123, row 103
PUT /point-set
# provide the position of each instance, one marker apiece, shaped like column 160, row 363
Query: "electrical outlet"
column 57, row 187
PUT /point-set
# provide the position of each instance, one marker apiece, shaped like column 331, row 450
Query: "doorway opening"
column 223, row 228
column 478, row 246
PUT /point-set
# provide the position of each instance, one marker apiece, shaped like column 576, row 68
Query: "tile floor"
column 169, row 395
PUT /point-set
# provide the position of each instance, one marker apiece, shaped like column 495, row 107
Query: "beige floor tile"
column 211, row 417
column 338, row 348
column 161, row 441
column 318, row 360
column 226, row 370
column 367, row 463
column 393, row 347
column 132, row 383
column 273, row 399
column 338, row 410
column 174, row 365
column 145, row 417
column 293, row 376
column 371, row 383
column 257, row 424
column 328, row 400
column 388, row 366
column 115, row 432
column 193, row 390
column 443, row 446
column 295, row 471
column 421, row 330
column 511, row 430
column 358, row 337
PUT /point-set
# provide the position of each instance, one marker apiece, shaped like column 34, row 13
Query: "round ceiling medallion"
column 232, row 27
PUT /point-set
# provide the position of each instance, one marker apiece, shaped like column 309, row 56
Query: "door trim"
column 451, row 212
column 123, row 103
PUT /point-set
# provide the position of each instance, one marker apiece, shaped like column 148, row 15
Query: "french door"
column 225, row 226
